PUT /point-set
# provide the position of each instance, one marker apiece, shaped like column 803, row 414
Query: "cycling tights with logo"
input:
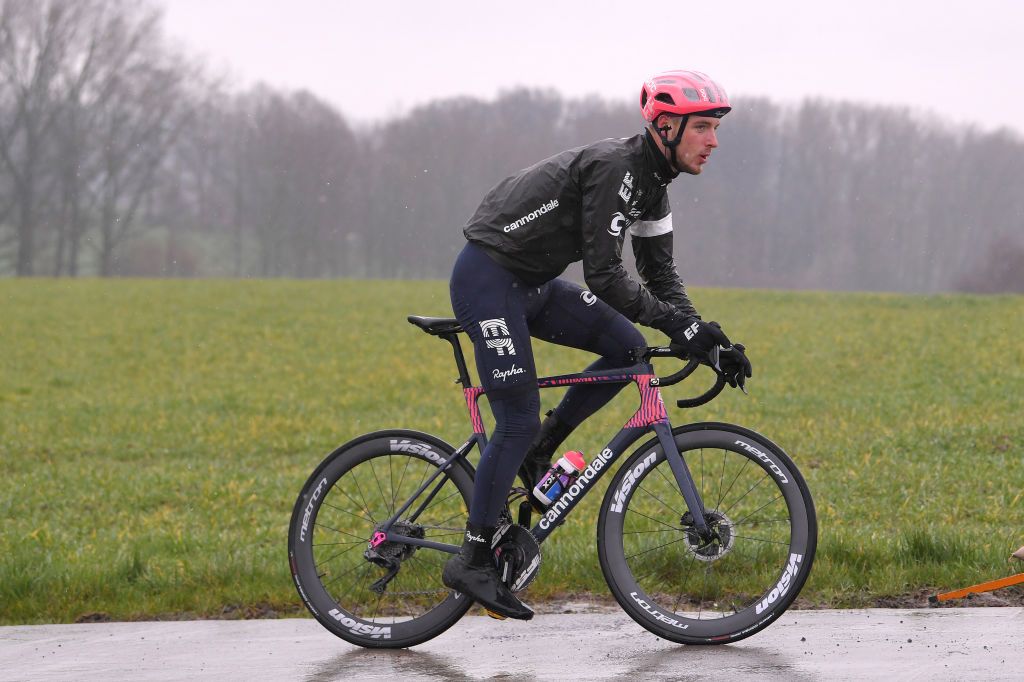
column 500, row 313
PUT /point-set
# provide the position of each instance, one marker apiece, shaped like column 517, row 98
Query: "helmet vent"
column 664, row 97
column 691, row 94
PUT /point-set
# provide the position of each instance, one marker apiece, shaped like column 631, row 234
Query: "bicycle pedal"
column 495, row 616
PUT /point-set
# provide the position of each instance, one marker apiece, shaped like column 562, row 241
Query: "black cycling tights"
column 500, row 313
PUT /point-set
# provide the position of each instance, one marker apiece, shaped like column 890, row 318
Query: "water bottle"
column 559, row 477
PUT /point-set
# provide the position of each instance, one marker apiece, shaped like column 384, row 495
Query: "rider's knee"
column 516, row 411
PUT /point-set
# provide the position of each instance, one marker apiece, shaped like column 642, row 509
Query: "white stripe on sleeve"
column 651, row 228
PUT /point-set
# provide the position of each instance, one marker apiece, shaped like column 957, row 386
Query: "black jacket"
column 578, row 205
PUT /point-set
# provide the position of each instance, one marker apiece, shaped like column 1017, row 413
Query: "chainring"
column 517, row 556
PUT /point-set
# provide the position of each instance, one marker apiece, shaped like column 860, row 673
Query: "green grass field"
column 154, row 434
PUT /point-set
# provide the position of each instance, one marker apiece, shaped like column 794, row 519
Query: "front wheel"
column 722, row 587
column 386, row 595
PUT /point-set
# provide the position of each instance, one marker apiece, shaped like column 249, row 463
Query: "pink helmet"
column 682, row 93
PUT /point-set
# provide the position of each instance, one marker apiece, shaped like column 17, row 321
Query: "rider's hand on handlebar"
column 696, row 336
column 699, row 339
column 735, row 366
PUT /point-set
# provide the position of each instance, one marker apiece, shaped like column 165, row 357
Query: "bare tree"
column 37, row 39
column 145, row 108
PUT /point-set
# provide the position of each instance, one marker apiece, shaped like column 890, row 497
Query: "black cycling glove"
column 735, row 366
column 696, row 336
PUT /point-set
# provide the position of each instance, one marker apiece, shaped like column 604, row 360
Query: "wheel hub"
column 719, row 541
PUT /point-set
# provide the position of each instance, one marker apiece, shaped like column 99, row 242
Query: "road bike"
column 705, row 535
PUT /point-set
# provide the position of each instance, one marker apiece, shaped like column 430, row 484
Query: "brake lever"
column 714, row 358
column 714, row 355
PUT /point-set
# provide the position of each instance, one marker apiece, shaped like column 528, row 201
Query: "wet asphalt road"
column 926, row 644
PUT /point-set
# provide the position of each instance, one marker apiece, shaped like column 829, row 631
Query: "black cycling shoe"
column 538, row 456
column 473, row 573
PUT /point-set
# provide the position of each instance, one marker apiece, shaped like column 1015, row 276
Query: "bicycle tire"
column 356, row 487
column 660, row 572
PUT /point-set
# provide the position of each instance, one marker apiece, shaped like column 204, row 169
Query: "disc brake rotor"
column 723, row 537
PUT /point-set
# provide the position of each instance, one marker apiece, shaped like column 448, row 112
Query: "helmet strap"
column 671, row 144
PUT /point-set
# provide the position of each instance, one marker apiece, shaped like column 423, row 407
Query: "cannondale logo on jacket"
column 618, row 222
column 588, row 298
column 541, row 210
column 496, row 336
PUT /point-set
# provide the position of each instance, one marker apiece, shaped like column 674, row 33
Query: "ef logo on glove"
column 691, row 331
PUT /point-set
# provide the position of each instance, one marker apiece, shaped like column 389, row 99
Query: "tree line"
column 120, row 155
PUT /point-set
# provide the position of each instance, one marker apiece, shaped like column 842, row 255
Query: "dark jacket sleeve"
column 603, row 227
column 652, row 247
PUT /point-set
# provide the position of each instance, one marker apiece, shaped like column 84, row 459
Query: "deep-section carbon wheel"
column 730, row 582
column 389, row 595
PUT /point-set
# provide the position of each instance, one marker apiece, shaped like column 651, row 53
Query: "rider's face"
column 699, row 139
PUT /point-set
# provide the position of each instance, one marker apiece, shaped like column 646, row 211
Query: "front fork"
column 683, row 478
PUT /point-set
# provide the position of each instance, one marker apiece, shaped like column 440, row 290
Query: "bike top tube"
column 449, row 328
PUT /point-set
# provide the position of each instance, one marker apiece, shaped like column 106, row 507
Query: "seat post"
column 460, row 359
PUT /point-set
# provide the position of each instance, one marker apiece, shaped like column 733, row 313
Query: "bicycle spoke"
column 323, row 562
column 771, row 501
column 437, row 502
column 445, row 535
column 405, row 469
column 770, row 542
column 359, row 579
column 359, row 489
column 452, row 518
column 321, row 525
column 763, row 521
column 718, row 505
column 634, row 511
column 647, row 551
column 339, row 489
column 376, row 608
column 749, row 490
column 704, row 591
column 346, row 542
column 675, row 512
column 357, row 567
column 380, row 488
column 344, row 511
column 721, row 479
column 640, row 579
column 679, row 597
column 670, row 481
column 391, row 483
column 427, row 470
column 658, row 530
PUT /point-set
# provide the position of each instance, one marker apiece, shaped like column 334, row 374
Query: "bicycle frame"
column 651, row 415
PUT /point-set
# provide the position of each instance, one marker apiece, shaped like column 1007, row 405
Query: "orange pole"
column 981, row 587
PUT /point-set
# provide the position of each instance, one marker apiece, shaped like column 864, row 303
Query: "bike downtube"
column 682, row 474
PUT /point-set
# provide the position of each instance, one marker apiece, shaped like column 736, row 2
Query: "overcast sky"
column 379, row 59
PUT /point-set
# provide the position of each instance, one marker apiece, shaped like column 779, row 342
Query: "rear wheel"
column 725, row 586
column 389, row 595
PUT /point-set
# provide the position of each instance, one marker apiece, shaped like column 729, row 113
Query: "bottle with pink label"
column 559, row 477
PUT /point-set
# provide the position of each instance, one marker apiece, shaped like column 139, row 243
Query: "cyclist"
column 576, row 205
